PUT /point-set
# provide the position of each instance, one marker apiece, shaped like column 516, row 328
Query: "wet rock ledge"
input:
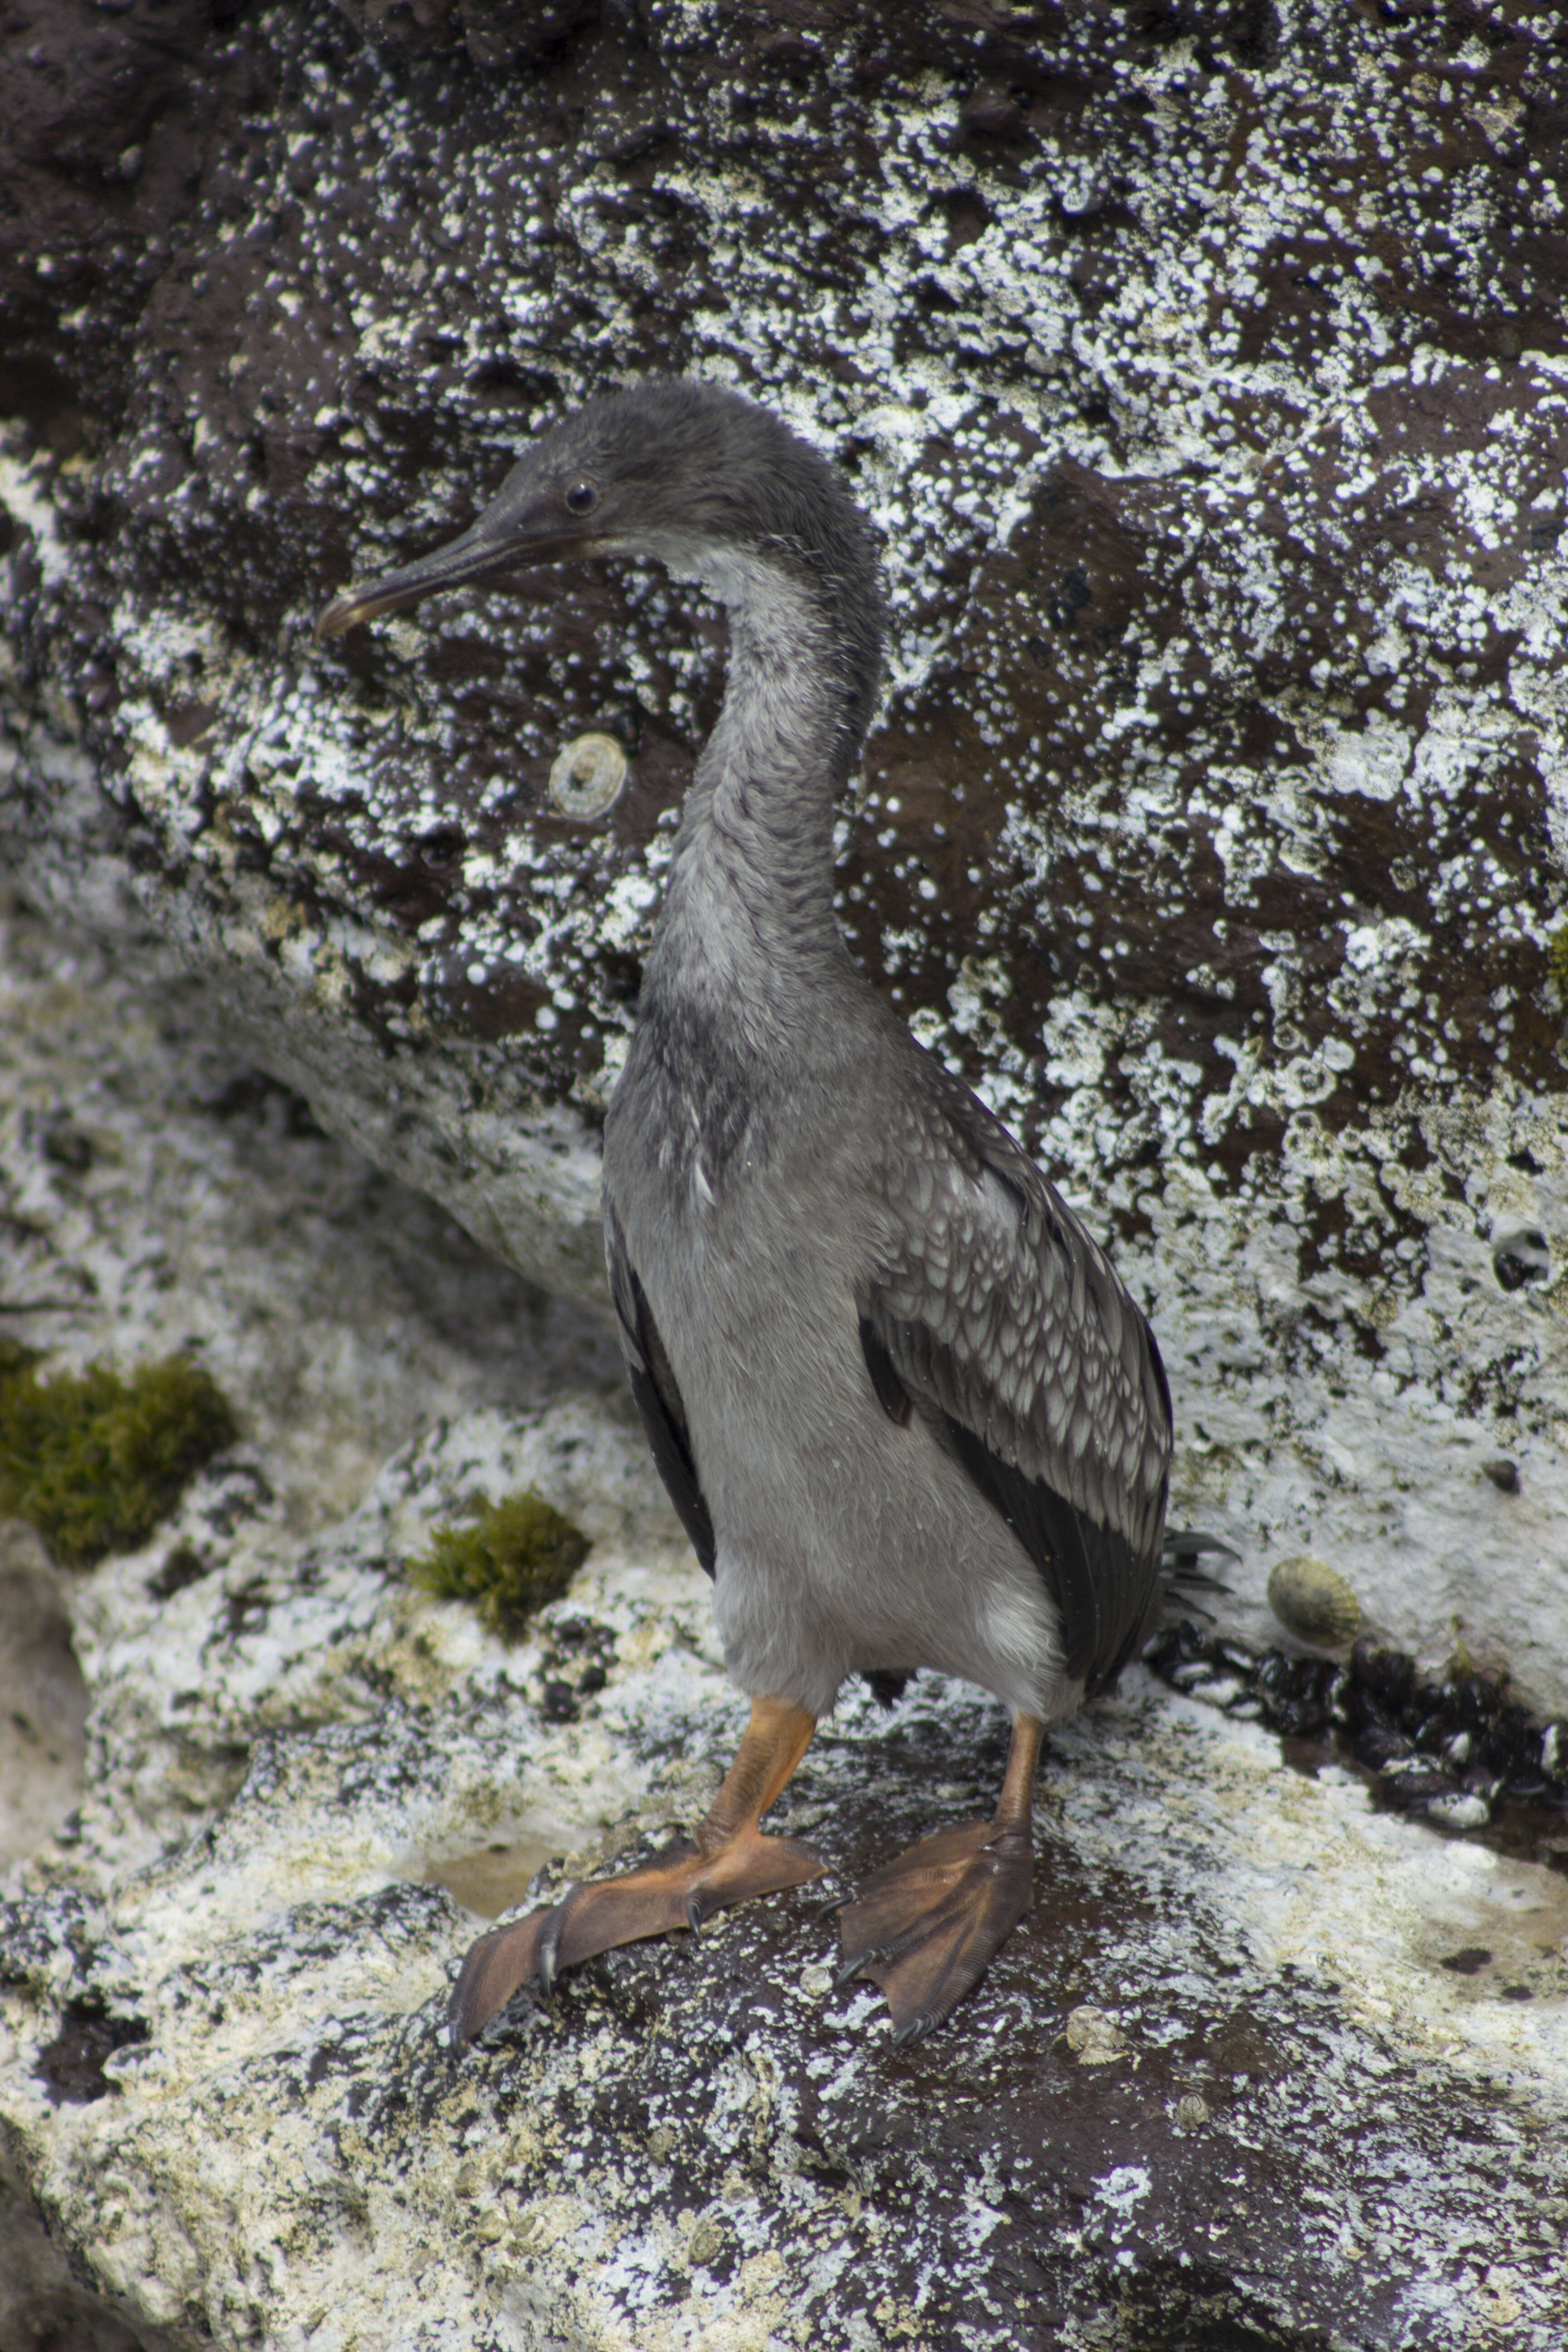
column 1275, row 2061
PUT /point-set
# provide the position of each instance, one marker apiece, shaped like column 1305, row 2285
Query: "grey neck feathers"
column 750, row 902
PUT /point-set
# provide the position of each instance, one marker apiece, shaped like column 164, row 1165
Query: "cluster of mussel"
column 1449, row 1751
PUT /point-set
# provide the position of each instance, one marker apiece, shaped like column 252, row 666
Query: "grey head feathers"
column 697, row 476
column 692, row 472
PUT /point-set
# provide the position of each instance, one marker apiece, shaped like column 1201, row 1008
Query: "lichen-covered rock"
column 1268, row 2061
column 43, row 1702
column 227, row 2081
column 199, row 1208
column 1206, row 376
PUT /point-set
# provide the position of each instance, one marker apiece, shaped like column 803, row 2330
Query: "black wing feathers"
column 659, row 1398
column 892, row 1395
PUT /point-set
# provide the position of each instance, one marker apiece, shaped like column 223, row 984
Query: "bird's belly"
column 875, row 1553
column 846, row 1543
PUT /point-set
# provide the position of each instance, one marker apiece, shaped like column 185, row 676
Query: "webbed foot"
column 728, row 1860
column 927, row 1926
column 680, row 1888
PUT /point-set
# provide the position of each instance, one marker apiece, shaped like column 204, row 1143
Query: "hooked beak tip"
column 345, row 612
column 473, row 560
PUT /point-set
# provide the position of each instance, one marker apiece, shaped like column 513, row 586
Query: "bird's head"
column 694, row 475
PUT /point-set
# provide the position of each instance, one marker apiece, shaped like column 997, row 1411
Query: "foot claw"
column 548, row 1955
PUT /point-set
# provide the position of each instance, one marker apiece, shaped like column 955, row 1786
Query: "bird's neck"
column 749, row 906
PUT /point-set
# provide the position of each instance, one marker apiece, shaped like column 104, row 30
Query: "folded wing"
column 996, row 1314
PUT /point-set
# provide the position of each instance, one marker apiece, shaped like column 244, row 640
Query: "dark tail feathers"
column 1181, row 1558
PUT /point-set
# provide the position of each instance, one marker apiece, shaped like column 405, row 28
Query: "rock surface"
column 43, row 1699
column 1205, row 369
column 1266, row 2065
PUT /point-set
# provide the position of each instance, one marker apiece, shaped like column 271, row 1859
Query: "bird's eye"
column 582, row 497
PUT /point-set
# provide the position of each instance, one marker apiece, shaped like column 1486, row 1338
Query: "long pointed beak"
column 479, row 554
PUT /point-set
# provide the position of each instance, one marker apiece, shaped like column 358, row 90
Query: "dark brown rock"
column 1205, row 371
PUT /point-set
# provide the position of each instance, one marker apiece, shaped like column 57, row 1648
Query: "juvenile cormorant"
column 906, row 1411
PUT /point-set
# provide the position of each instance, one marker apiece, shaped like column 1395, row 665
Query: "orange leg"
column 927, row 1926
column 727, row 1859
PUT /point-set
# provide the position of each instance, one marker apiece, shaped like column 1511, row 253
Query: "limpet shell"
column 588, row 776
column 1313, row 1601
column 1096, row 2037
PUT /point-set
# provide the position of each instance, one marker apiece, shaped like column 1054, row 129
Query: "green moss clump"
column 96, row 1459
column 1557, row 959
column 15, row 1357
column 517, row 1555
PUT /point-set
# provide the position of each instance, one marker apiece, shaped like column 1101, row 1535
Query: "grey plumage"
column 908, row 1414
column 784, row 1163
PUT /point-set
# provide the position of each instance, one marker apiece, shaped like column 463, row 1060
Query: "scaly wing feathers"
column 997, row 1312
